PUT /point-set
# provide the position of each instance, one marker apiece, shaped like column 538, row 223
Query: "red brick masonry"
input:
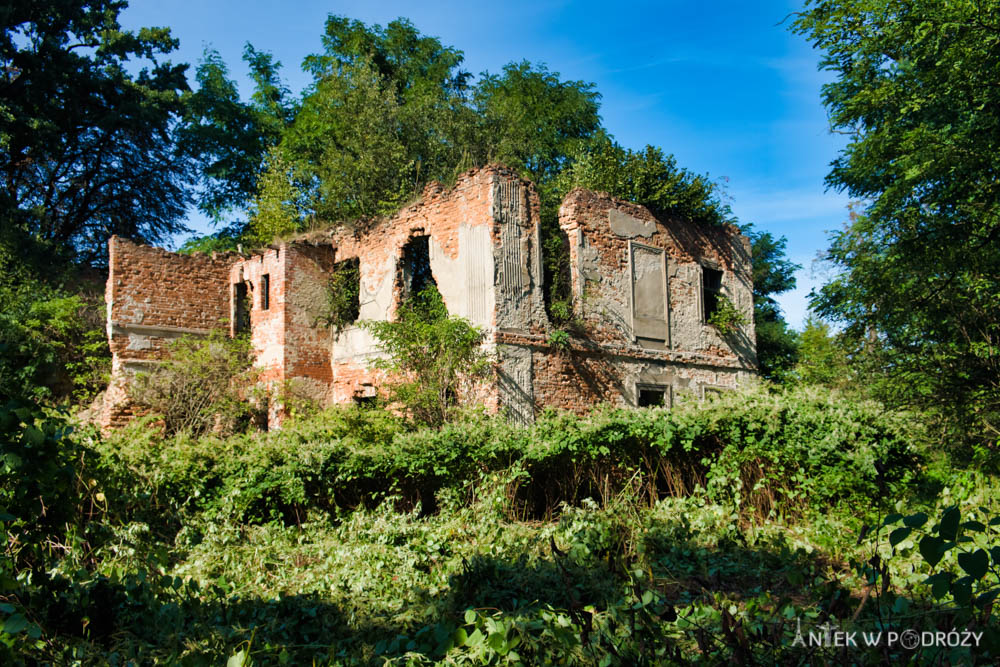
column 636, row 280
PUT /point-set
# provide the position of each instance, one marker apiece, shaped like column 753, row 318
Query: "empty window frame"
column 241, row 308
column 417, row 274
column 711, row 290
column 345, row 293
column 652, row 396
column 265, row 291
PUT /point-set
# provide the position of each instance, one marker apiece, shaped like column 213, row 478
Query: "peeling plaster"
column 626, row 226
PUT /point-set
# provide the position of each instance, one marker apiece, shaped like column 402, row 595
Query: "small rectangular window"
column 652, row 397
column 265, row 291
column 711, row 288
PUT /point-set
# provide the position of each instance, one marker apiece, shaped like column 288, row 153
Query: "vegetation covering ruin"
column 856, row 493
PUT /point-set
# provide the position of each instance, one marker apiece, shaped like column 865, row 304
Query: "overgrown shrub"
column 429, row 357
column 761, row 454
column 202, row 386
column 53, row 345
column 726, row 318
column 289, row 547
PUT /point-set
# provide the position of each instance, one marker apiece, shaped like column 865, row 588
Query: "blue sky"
column 724, row 86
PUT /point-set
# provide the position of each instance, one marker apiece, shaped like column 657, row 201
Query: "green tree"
column 345, row 147
column 386, row 113
column 773, row 273
column 531, row 119
column 821, row 356
column 228, row 137
column 919, row 287
column 87, row 148
column 390, row 110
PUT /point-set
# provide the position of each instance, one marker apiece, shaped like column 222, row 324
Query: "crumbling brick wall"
column 637, row 281
column 639, row 300
column 153, row 297
column 285, row 288
column 463, row 231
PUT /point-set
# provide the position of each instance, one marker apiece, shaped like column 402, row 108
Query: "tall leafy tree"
column 391, row 109
column 530, row 118
column 919, row 288
column 385, row 114
column 230, row 137
column 86, row 147
column 773, row 273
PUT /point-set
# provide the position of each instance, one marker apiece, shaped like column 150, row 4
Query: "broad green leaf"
column 15, row 624
column 948, row 528
column 975, row 563
column 930, row 549
column 898, row 535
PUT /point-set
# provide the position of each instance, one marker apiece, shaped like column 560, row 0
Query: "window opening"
column 417, row 265
column 366, row 402
column 711, row 289
column 652, row 397
column 241, row 299
column 265, row 291
column 344, row 294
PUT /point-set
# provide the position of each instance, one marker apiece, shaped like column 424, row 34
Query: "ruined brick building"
column 643, row 288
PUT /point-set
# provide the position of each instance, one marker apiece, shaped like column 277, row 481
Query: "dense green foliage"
column 701, row 534
column 918, row 290
column 651, row 178
column 773, row 274
column 53, row 346
column 73, row 172
column 822, row 358
column 230, row 137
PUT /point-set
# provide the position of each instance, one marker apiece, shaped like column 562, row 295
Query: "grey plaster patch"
column 137, row 342
column 626, row 226
column 590, row 266
column 649, row 307
column 516, row 383
column 656, row 376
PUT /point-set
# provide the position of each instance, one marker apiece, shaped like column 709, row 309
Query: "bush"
column 52, row 344
column 200, row 387
column 726, row 318
column 430, row 356
column 760, row 454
